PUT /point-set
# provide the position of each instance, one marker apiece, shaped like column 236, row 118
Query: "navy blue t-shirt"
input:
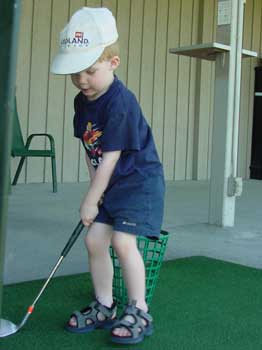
column 115, row 122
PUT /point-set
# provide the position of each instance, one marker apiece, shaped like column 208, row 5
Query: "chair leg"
column 19, row 168
column 54, row 174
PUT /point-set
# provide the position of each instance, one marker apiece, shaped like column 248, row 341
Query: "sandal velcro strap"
column 96, row 307
column 145, row 315
column 88, row 318
column 80, row 319
column 132, row 310
column 106, row 311
column 139, row 325
column 133, row 328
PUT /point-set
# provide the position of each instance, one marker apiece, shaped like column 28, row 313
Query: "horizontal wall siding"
column 175, row 92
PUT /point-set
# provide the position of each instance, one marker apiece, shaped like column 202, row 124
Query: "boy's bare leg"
column 97, row 241
column 133, row 272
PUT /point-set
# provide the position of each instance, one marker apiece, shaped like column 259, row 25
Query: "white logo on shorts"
column 129, row 223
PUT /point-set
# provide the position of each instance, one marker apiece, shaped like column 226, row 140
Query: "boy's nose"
column 82, row 79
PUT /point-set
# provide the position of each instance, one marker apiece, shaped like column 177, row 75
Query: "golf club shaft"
column 65, row 251
column 32, row 306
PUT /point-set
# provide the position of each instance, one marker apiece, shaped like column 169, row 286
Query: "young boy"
column 126, row 195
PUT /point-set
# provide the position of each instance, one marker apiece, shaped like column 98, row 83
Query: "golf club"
column 7, row 327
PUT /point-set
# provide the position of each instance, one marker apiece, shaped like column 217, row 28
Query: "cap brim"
column 69, row 63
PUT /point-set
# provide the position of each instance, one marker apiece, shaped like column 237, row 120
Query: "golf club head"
column 7, row 328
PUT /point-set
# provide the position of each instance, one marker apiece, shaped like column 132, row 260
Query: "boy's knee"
column 92, row 243
column 123, row 244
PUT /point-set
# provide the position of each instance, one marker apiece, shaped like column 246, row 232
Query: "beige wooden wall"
column 176, row 93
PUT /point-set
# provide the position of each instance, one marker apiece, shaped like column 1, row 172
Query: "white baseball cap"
column 84, row 39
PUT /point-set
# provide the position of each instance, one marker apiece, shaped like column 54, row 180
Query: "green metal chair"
column 19, row 149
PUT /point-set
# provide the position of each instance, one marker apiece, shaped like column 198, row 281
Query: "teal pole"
column 9, row 27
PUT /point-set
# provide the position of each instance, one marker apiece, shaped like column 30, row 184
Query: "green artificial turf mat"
column 199, row 304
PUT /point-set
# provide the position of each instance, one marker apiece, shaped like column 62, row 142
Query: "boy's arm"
column 103, row 173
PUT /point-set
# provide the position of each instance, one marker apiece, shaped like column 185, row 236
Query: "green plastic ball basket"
column 152, row 252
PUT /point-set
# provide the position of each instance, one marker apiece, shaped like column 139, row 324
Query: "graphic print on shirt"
column 91, row 139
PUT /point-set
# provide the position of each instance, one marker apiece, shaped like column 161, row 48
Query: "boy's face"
column 95, row 81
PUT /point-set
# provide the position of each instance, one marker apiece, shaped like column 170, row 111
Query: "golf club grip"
column 73, row 238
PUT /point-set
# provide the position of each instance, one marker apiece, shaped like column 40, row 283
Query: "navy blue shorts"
column 134, row 205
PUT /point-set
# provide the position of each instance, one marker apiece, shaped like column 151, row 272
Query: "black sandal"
column 136, row 328
column 88, row 319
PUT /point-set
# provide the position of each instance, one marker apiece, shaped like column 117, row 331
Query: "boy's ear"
column 115, row 62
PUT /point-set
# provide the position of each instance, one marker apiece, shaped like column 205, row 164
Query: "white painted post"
column 224, row 185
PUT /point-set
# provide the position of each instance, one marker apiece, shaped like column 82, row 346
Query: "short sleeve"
column 121, row 131
column 77, row 132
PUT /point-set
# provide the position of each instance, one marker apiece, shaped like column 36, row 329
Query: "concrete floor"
column 40, row 223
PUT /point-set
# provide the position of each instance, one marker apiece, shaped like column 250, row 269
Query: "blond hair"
column 109, row 52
